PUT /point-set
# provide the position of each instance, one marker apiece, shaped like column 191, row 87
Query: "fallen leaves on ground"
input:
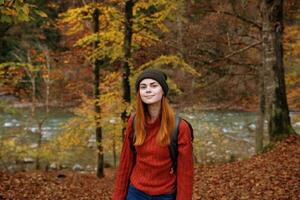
column 40, row 185
column 271, row 176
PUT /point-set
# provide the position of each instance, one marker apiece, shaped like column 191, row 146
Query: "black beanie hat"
column 155, row 74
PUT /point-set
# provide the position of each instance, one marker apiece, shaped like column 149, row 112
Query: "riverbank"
column 272, row 175
column 69, row 106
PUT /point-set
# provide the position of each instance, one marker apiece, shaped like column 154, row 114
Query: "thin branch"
column 212, row 82
column 252, row 66
column 83, row 2
column 17, row 57
column 253, row 23
column 227, row 56
column 235, row 52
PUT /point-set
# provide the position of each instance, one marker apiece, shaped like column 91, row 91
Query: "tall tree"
column 279, row 123
column 96, row 70
column 127, row 56
column 259, row 133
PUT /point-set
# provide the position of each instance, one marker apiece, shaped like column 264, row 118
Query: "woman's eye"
column 154, row 86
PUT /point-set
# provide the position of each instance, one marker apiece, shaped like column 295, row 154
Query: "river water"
column 220, row 136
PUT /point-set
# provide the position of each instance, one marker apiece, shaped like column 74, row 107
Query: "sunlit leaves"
column 15, row 146
column 10, row 73
column 88, row 40
column 109, row 45
column 16, row 69
column 40, row 13
column 172, row 61
column 148, row 21
column 77, row 14
column 75, row 17
column 18, row 11
column 77, row 131
column 29, row 66
column 110, row 37
column 149, row 18
column 111, row 99
column 72, row 139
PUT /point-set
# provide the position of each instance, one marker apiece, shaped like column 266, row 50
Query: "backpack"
column 173, row 146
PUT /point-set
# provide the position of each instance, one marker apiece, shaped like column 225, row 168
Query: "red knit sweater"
column 151, row 171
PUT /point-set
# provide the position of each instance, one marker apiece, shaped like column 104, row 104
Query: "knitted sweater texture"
column 150, row 170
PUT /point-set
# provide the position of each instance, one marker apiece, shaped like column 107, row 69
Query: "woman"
column 147, row 173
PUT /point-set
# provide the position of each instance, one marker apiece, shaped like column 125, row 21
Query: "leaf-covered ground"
column 273, row 175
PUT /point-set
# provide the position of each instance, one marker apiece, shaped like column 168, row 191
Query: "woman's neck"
column 154, row 111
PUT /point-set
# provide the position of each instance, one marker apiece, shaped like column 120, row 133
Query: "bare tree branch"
column 235, row 52
column 249, row 21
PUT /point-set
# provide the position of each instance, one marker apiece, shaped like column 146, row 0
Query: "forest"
column 67, row 74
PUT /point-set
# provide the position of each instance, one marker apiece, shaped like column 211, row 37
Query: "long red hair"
column 166, row 126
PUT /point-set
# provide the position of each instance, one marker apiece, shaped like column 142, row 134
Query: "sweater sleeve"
column 184, row 163
column 125, row 167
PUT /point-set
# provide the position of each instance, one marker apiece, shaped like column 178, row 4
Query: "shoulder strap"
column 173, row 147
column 191, row 129
column 132, row 134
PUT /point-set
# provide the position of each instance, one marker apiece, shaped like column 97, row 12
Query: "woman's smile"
column 149, row 96
column 150, row 90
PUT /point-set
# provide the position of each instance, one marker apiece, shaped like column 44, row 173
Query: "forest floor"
column 272, row 175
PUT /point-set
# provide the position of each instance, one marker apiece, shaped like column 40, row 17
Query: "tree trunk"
column 47, row 79
column 127, row 57
column 96, row 71
column 188, row 5
column 279, row 124
column 180, row 14
column 39, row 145
column 32, row 76
column 259, row 135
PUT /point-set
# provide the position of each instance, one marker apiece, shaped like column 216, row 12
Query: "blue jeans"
column 135, row 194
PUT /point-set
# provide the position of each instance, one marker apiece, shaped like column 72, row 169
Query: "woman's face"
column 150, row 90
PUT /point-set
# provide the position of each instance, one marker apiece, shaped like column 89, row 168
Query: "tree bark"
column 181, row 11
column 39, row 145
column 32, row 76
column 127, row 57
column 259, row 135
column 47, row 79
column 279, row 124
column 96, row 71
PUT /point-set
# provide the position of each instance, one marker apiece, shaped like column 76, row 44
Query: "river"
column 220, row 136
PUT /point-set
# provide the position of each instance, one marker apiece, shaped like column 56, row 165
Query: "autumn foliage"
column 211, row 50
column 273, row 175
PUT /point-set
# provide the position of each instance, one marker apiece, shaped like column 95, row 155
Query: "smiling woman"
column 145, row 169
column 151, row 92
